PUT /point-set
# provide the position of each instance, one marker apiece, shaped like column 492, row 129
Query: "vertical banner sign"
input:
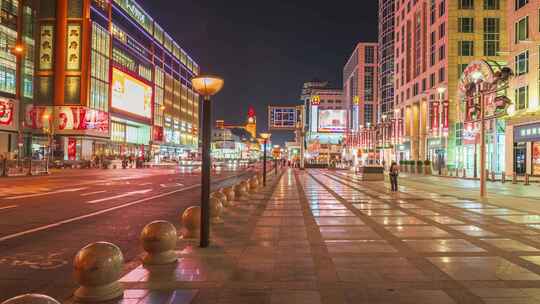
column 72, row 148
column 73, row 62
column 435, row 116
column 46, row 47
column 446, row 107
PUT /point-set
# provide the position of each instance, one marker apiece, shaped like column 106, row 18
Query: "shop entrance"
column 520, row 158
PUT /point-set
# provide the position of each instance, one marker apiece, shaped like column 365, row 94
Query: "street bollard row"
column 98, row 266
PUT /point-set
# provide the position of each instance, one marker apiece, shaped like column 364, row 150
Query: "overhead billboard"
column 131, row 95
column 282, row 118
column 332, row 121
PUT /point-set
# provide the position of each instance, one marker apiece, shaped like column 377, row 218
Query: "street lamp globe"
column 441, row 90
column 207, row 85
column 266, row 136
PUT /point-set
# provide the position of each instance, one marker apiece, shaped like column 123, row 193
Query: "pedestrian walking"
column 394, row 172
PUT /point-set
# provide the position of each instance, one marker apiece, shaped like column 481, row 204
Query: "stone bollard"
column 487, row 174
column 31, row 298
column 464, row 173
column 240, row 191
column 503, row 177
column 526, row 179
column 514, row 178
column 216, row 210
column 97, row 269
column 159, row 241
column 191, row 223
column 253, row 185
column 222, row 197
column 229, row 192
column 493, row 176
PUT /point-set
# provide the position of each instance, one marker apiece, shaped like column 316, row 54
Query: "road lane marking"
column 8, row 207
column 119, row 196
column 145, row 184
column 78, row 218
column 100, row 212
column 171, row 185
column 93, row 193
column 45, row 193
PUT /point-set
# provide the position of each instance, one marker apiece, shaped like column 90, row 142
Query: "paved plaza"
column 321, row 236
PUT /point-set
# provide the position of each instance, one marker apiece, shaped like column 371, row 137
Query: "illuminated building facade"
column 523, row 125
column 386, row 57
column 435, row 41
column 360, row 92
column 360, row 79
column 110, row 81
column 17, row 45
column 326, row 121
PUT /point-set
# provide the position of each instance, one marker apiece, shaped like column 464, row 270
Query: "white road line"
column 78, row 218
column 82, row 217
column 45, row 193
column 8, row 207
column 118, row 196
column 92, row 193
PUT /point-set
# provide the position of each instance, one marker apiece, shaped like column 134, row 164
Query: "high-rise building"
column 17, row 45
column 435, row 41
column 522, row 137
column 360, row 82
column 386, row 58
column 110, row 81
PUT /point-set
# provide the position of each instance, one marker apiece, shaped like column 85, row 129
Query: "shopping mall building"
column 108, row 80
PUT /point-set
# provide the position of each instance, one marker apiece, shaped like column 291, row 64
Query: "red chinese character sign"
column 69, row 120
column 8, row 114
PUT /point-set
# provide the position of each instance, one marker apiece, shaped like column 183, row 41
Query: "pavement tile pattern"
column 321, row 236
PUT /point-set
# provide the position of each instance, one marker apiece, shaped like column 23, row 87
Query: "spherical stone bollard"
column 216, row 209
column 240, row 191
column 97, row 269
column 191, row 221
column 229, row 192
column 253, row 185
column 222, row 197
column 31, row 298
column 159, row 241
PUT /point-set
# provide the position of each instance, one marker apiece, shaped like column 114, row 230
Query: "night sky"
column 265, row 50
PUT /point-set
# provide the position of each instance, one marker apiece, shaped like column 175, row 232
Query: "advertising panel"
column 536, row 158
column 131, row 95
column 82, row 119
column 73, row 120
column 282, row 118
column 8, row 114
column 332, row 120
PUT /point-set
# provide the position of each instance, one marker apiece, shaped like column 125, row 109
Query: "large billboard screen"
column 332, row 120
column 131, row 95
column 282, row 118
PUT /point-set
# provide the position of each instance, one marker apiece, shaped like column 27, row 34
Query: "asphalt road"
column 45, row 220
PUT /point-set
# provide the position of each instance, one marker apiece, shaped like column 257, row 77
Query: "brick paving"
column 321, row 236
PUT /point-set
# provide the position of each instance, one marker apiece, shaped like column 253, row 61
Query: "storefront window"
column 99, row 82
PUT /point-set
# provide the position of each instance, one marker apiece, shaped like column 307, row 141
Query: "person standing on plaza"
column 394, row 172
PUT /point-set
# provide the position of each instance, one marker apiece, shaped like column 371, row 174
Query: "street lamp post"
column 441, row 91
column 493, row 87
column 265, row 137
column 206, row 86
